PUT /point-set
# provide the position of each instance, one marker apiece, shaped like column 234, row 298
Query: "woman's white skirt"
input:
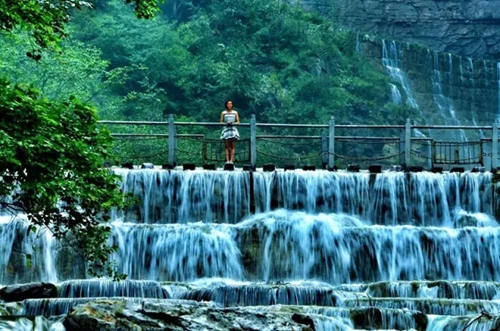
column 230, row 132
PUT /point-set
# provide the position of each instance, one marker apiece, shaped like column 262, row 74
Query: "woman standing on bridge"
column 230, row 133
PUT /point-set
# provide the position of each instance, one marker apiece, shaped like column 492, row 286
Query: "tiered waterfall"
column 419, row 250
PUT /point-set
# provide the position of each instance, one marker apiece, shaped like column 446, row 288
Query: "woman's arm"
column 237, row 118
column 222, row 117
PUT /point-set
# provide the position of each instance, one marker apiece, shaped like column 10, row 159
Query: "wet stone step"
column 60, row 306
column 361, row 317
column 357, row 288
column 325, row 318
column 10, row 308
column 108, row 288
column 371, row 317
column 469, row 323
column 323, row 294
column 21, row 323
column 263, row 294
column 433, row 289
column 428, row 306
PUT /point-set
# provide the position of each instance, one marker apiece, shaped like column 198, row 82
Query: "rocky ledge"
column 156, row 315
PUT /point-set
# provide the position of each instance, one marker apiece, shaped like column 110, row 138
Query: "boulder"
column 28, row 291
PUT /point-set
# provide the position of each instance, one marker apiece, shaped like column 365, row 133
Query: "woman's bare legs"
column 233, row 150
column 228, row 150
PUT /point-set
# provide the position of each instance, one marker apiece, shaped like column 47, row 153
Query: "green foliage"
column 273, row 59
column 79, row 70
column 46, row 20
column 52, row 159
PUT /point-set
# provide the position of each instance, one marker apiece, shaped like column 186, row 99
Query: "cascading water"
column 391, row 61
column 419, row 249
column 498, row 80
column 472, row 83
column 19, row 249
column 445, row 105
column 442, row 89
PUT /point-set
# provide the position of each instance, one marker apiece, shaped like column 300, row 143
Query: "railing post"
column 253, row 142
column 432, row 153
column 407, row 143
column 331, row 143
column 494, row 146
column 401, row 147
column 324, row 150
column 172, row 159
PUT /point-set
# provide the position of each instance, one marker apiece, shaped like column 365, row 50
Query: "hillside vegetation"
column 274, row 60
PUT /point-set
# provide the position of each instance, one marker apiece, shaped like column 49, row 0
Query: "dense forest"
column 273, row 59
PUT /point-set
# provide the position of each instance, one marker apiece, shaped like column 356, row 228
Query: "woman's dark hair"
column 225, row 103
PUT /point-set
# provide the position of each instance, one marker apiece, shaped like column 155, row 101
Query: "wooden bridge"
column 329, row 145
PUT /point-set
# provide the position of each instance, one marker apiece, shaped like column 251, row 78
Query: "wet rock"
column 21, row 323
column 367, row 318
column 185, row 315
column 445, row 288
column 10, row 309
column 28, row 291
column 304, row 320
column 466, row 220
column 421, row 321
column 104, row 315
column 378, row 289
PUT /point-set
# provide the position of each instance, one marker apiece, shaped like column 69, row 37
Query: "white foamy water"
column 400, row 242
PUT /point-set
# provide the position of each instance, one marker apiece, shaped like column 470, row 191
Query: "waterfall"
column 472, row 84
column 444, row 104
column 26, row 256
column 176, row 252
column 498, row 87
column 413, row 248
column 330, row 217
column 182, row 197
column 392, row 63
column 442, row 89
column 391, row 59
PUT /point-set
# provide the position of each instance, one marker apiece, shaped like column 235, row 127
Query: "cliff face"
column 442, row 88
column 442, row 55
column 469, row 28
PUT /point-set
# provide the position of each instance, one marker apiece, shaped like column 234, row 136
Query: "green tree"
column 51, row 164
column 46, row 20
column 80, row 70
column 52, row 152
